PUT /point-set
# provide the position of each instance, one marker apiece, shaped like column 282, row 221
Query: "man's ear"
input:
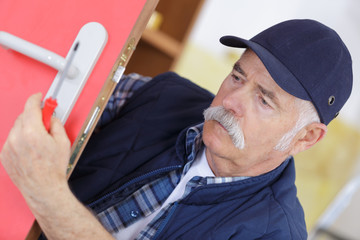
column 308, row 137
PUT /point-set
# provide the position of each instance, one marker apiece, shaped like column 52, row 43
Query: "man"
column 229, row 178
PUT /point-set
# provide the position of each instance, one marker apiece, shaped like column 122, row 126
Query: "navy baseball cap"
column 306, row 59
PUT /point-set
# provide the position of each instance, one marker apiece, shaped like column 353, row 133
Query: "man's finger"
column 57, row 131
column 32, row 111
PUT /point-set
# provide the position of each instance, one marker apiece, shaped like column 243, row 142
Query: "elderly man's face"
column 263, row 111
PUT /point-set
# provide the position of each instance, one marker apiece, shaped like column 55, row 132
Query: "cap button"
column 331, row 100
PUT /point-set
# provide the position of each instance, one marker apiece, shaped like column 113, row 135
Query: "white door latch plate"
column 92, row 39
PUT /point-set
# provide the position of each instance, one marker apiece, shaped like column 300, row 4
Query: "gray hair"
column 307, row 115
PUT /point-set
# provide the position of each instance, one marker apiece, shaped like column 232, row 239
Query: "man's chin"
column 217, row 137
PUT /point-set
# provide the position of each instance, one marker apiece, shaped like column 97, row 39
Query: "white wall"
column 246, row 18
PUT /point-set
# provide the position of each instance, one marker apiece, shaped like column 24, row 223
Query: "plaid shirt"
column 128, row 84
column 151, row 196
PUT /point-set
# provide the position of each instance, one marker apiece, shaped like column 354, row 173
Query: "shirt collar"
column 193, row 145
column 193, row 141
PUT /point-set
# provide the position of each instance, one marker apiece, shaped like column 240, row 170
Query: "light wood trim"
column 186, row 35
column 163, row 42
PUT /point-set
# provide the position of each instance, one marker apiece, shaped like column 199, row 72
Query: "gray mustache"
column 230, row 123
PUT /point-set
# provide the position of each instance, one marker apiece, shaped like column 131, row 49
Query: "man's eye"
column 236, row 77
column 264, row 102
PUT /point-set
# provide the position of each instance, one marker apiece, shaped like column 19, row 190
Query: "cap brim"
column 278, row 71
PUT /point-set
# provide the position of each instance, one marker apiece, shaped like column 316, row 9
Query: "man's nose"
column 235, row 102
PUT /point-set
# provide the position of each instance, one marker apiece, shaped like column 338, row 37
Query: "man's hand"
column 36, row 160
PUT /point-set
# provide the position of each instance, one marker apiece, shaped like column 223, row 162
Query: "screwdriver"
column 50, row 103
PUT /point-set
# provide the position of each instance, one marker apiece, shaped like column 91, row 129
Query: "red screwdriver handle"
column 47, row 111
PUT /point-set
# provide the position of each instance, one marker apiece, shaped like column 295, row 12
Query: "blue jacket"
column 144, row 142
